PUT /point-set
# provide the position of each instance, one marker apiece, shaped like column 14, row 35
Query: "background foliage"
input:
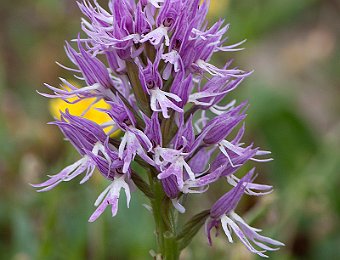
column 294, row 97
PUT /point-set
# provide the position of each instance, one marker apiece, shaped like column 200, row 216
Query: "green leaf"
column 142, row 185
column 191, row 228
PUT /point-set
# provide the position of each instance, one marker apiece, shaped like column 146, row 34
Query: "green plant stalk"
column 165, row 222
column 141, row 97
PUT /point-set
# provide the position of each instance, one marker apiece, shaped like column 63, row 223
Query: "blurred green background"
column 294, row 96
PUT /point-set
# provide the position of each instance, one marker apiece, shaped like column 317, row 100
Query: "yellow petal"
column 58, row 105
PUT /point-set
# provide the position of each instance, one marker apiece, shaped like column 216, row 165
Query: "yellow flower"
column 56, row 105
column 217, row 7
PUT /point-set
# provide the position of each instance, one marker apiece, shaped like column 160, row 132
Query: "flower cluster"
column 150, row 61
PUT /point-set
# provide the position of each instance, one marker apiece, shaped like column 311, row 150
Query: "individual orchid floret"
column 221, row 166
column 202, row 182
column 71, row 94
column 121, row 115
column 110, row 164
column 95, row 74
column 198, row 47
column 185, row 137
column 182, row 87
column 251, row 188
column 225, row 145
column 69, row 173
column 160, row 102
column 134, row 140
column 156, row 36
column 168, row 14
column 173, row 60
column 233, row 163
column 149, row 76
column 200, row 161
column 170, row 187
column 87, row 137
column 224, row 124
column 248, row 234
column 149, row 7
column 213, row 91
column 93, row 70
column 142, row 24
column 110, row 196
column 191, row 16
column 165, row 22
column 153, row 130
column 88, row 132
column 131, row 145
column 172, row 162
column 223, row 211
column 116, row 64
column 114, row 29
column 215, row 71
column 182, row 32
column 152, row 84
column 172, row 191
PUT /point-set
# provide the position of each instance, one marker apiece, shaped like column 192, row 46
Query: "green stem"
column 141, row 97
column 165, row 222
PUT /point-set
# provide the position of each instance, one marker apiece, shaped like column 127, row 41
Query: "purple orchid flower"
column 90, row 141
column 151, row 61
column 223, row 211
